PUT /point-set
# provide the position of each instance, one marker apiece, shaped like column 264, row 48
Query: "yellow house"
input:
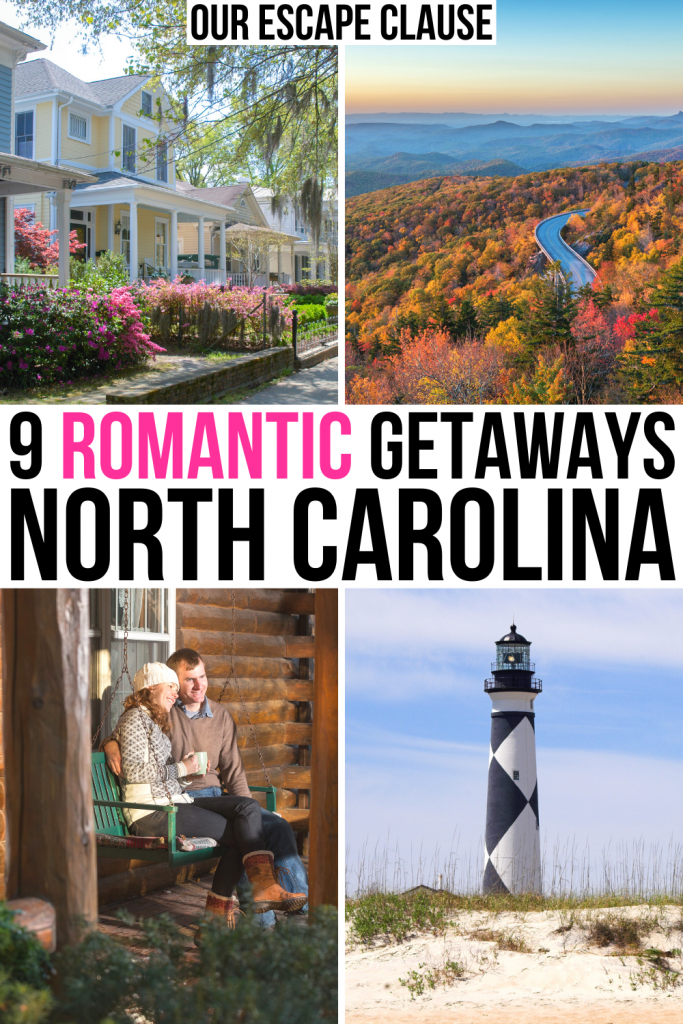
column 117, row 129
column 20, row 175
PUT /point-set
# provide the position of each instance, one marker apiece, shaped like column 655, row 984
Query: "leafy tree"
column 33, row 243
column 547, row 385
column 275, row 106
column 551, row 314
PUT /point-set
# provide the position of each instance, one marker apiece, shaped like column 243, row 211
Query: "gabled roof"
column 41, row 76
column 27, row 43
column 223, row 194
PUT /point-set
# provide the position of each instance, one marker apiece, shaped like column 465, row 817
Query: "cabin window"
column 162, row 161
column 515, row 776
column 149, row 614
column 23, row 135
column 147, row 104
column 78, row 127
column 128, row 155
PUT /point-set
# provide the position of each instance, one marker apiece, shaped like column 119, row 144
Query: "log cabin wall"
column 273, row 648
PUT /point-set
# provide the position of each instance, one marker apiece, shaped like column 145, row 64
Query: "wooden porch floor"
column 184, row 902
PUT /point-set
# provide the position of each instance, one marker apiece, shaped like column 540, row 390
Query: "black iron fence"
column 311, row 337
column 210, row 326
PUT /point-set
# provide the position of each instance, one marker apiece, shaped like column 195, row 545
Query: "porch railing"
column 18, row 280
column 210, row 276
column 239, row 280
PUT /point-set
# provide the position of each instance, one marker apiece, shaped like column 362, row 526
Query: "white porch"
column 142, row 224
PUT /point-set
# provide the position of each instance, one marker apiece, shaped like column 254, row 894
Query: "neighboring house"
column 243, row 208
column 116, row 129
column 23, row 178
column 300, row 261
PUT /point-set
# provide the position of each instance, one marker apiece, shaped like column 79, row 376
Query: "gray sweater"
column 149, row 773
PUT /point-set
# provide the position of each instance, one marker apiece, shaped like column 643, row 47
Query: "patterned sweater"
column 148, row 772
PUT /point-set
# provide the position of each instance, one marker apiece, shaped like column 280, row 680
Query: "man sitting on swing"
column 198, row 723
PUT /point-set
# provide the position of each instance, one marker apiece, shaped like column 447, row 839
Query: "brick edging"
column 203, row 385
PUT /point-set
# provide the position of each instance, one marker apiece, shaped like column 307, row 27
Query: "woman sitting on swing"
column 149, row 776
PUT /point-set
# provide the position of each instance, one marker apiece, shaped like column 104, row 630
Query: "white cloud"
column 586, row 627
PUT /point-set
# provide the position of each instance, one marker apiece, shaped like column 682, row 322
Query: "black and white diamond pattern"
column 513, row 849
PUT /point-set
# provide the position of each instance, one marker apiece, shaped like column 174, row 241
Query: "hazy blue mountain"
column 539, row 146
column 400, row 169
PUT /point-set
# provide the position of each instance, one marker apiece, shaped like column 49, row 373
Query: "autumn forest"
column 449, row 299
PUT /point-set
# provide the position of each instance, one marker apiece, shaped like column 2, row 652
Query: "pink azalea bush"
column 169, row 297
column 49, row 337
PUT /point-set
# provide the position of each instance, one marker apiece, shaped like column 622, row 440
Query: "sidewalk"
column 317, row 385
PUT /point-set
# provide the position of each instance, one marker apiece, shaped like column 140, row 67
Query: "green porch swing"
column 113, row 837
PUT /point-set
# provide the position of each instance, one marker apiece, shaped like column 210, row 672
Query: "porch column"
column 9, row 234
column 63, row 198
column 51, row 851
column 110, row 227
column 291, row 252
column 173, row 242
column 323, row 857
column 279, row 264
column 222, row 250
column 133, row 240
column 200, row 247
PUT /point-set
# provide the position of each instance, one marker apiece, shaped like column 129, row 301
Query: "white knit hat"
column 154, row 673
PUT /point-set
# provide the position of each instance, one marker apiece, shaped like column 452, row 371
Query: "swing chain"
column 239, row 691
column 124, row 667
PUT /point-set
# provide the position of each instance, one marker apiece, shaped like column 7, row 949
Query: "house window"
column 160, row 245
column 162, row 161
column 23, row 145
column 147, row 104
column 147, row 617
column 125, row 237
column 515, row 776
column 78, row 127
column 128, row 156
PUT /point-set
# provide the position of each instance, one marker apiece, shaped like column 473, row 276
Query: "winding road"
column 555, row 248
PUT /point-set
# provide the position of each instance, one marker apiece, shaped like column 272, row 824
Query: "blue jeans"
column 281, row 842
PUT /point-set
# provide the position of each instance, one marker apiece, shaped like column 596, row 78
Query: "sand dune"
column 563, row 976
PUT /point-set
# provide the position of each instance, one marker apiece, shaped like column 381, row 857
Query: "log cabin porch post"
column 51, row 850
column 323, row 858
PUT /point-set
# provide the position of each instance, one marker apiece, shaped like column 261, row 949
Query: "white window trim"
column 87, row 118
column 127, row 124
column 153, row 97
column 167, row 223
column 24, row 110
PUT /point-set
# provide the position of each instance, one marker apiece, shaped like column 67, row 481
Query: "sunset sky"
column 610, row 57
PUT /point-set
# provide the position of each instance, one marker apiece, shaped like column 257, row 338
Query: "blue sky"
column 108, row 61
column 609, row 57
column 609, row 722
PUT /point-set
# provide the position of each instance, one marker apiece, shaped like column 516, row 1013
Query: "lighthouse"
column 513, row 847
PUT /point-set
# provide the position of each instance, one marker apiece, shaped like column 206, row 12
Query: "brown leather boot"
column 225, row 907
column 267, row 894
